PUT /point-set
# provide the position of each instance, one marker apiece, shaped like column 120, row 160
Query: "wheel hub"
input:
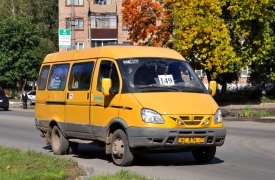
column 118, row 148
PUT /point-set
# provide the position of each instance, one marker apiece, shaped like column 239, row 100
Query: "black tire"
column 60, row 145
column 204, row 154
column 120, row 150
column 73, row 148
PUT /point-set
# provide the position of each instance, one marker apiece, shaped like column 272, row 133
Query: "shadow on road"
column 91, row 152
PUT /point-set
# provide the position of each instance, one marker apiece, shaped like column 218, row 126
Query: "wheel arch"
column 113, row 125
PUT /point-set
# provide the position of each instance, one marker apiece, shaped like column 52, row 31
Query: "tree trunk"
column 224, row 87
column 24, row 84
column 208, row 75
column 13, row 91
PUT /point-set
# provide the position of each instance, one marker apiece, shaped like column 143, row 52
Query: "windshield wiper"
column 160, row 88
column 191, row 89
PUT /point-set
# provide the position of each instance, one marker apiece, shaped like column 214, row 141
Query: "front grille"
column 192, row 122
column 189, row 120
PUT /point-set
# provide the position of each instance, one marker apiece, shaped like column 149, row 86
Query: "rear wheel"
column 60, row 144
column 121, row 153
column 6, row 108
column 204, row 154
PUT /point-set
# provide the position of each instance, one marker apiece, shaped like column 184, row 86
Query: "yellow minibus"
column 128, row 98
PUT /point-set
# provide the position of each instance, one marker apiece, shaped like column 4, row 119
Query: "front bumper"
column 168, row 137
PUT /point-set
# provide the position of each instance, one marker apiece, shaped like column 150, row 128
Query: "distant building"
column 93, row 23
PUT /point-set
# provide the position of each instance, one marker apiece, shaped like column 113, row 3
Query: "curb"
column 89, row 170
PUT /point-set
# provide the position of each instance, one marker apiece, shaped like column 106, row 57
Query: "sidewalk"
column 231, row 111
column 252, row 106
column 20, row 105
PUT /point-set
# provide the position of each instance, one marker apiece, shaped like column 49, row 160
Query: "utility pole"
column 89, row 24
column 72, row 19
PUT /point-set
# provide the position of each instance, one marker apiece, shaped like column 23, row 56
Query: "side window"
column 108, row 70
column 42, row 80
column 80, row 78
column 58, row 76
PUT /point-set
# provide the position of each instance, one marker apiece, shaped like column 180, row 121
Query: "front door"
column 78, row 100
column 105, row 108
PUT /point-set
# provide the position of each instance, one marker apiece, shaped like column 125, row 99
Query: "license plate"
column 191, row 140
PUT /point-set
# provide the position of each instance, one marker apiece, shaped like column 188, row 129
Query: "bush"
column 239, row 96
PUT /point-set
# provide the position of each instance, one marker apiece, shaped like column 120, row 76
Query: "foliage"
column 21, row 50
column 247, row 112
column 262, row 113
column 194, row 28
column 15, row 164
column 202, row 36
column 42, row 13
column 122, row 174
column 150, row 22
column 221, row 37
column 252, row 24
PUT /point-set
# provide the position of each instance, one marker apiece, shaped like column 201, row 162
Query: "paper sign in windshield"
column 166, row 80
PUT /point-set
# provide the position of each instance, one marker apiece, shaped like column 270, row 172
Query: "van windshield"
column 159, row 75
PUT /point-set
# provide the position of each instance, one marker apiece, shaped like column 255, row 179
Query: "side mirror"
column 106, row 85
column 213, row 87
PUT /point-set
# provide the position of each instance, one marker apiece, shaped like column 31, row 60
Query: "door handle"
column 67, row 95
column 88, row 96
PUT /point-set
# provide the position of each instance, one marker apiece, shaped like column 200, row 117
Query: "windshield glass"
column 159, row 75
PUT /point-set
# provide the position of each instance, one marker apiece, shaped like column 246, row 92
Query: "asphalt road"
column 248, row 152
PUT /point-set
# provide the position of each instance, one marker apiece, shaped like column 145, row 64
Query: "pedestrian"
column 25, row 100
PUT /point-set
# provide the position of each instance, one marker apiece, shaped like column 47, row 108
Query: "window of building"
column 78, row 23
column 58, row 77
column 74, row 2
column 80, row 78
column 126, row 28
column 246, row 72
column 78, row 45
column 108, row 70
column 104, row 22
column 68, row 23
column 42, row 80
column 103, row 2
column 100, row 43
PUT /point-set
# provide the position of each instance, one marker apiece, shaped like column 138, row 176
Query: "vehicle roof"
column 114, row 52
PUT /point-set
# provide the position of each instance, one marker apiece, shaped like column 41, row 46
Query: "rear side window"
column 58, row 77
column 80, row 78
column 42, row 80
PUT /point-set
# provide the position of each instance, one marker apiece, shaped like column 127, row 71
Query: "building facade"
column 92, row 23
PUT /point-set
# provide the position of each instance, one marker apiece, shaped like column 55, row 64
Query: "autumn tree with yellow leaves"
column 194, row 28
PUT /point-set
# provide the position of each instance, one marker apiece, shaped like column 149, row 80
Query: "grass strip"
column 121, row 175
column 16, row 164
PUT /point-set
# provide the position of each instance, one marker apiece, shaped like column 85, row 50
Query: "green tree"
column 202, row 36
column 21, row 51
column 42, row 13
column 252, row 26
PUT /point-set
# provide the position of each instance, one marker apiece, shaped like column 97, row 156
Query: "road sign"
column 64, row 37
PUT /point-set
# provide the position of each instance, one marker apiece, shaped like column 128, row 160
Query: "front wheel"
column 60, row 145
column 121, row 153
column 204, row 154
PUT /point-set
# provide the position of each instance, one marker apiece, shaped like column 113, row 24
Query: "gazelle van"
column 130, row 99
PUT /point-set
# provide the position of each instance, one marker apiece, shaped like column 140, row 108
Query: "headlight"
column 218, row 116
column 150, row 116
